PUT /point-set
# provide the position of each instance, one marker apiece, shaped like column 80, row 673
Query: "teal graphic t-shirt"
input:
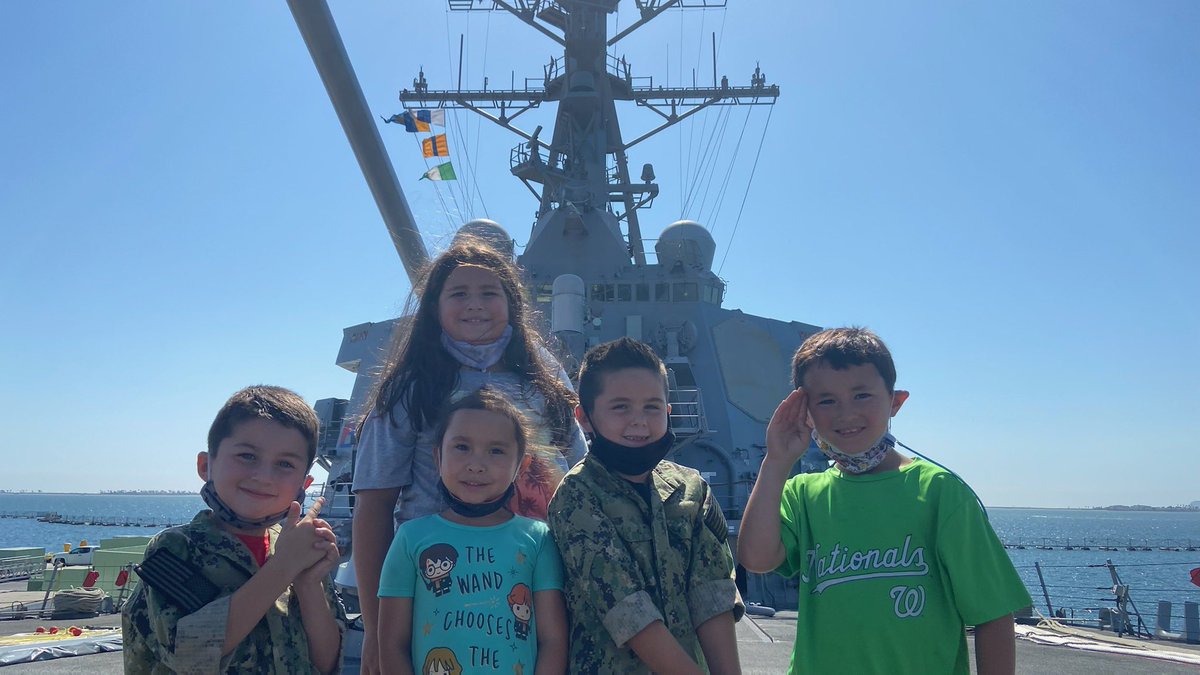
column 472, row 591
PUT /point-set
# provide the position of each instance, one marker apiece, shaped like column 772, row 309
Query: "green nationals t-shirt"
column 472, row 591
column 891, row 567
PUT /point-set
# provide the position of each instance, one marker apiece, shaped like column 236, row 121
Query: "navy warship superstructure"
column 585, row 264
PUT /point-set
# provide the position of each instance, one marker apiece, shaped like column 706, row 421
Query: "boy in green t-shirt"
column 894, row 556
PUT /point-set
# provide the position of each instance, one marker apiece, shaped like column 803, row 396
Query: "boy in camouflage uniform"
column 244, row 587
column 648, row 573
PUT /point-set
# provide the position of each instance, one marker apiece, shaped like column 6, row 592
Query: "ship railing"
column 117, row 589
column 339, row 498
column 1103, row 544
column 687, row 411
column 1105, row 601
column 21, row 567
column 618, row 67
column 522, row 154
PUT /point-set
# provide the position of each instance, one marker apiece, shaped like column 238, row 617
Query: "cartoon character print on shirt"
column 520, row 602
column 842, row 565
column 441, row 661
column 436, row 563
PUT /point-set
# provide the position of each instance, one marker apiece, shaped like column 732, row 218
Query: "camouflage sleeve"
column 597, row 567
column 185, row 643
column 711, row 586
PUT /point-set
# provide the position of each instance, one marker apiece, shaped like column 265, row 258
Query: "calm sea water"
column 1076, row 580
column 30, row 532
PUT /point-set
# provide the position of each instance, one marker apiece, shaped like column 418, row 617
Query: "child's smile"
column 631, row 409
column 850, row 407
column 259, row 469
column 479, row 456
column 473, row 306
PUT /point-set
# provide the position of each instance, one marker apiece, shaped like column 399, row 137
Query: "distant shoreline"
column 196, row 493
column 107, row 493
column 1140, row 508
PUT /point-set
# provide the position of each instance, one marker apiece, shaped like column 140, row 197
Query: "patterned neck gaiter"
column 479, row 357
column 222, row 511
column 863, row 461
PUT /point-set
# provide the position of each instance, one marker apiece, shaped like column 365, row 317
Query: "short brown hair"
column 840, row 348
column 609, row 357
column 276, row 404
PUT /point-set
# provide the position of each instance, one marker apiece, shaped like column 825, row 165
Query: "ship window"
column 602, row 292
column 662, row 292
column 643, row 292
column 686, row 291
column 712, row 294
column 545, row 293
column 624, row 293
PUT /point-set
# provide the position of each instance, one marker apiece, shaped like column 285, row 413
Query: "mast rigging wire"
column 712, row 167
column 725, row 181
column 749, row 182
column 712, row 150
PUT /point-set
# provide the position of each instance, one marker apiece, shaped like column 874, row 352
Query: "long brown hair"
column 420, row 375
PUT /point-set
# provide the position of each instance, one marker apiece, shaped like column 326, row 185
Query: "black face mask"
column 630, row 461
column 475, row 510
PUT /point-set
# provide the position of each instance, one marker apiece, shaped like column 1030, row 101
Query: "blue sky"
column 1007, row 192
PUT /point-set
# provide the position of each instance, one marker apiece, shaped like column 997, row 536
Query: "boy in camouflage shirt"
column 647, row 571
column 244, row 587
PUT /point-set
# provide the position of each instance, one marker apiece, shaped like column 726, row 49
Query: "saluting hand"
column 789, row 433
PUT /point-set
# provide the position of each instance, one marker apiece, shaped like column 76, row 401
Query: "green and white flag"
column 441, row 172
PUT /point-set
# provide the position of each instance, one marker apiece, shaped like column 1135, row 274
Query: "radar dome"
column 685, row 242
column 490, row 231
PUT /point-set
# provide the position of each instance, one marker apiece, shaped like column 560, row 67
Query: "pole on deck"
column 1038, row 566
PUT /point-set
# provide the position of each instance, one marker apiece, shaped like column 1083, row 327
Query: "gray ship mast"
column 581, row 176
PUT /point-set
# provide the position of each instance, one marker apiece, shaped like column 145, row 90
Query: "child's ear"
column 582, row 418
column 202, row 465
column 898, row 398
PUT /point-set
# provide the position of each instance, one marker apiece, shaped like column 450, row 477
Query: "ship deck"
column 764, row 644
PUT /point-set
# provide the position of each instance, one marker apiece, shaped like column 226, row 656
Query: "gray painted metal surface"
column 329, row 55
